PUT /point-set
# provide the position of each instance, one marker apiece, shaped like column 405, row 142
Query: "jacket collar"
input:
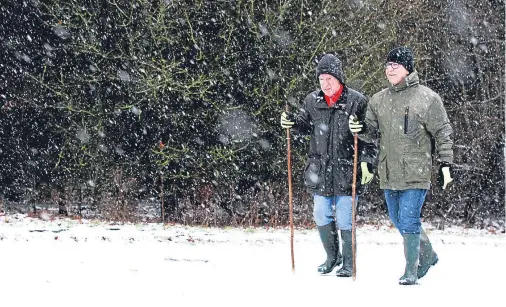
column 411, row 80
column 322, row 104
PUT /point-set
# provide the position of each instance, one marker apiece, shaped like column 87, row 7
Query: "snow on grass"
column 67, row 263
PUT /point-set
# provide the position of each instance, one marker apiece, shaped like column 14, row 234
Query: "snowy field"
column 66, row 263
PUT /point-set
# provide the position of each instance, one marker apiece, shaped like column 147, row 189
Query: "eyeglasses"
column 392, row 64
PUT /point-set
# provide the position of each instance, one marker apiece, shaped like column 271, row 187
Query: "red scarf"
column 331, row 101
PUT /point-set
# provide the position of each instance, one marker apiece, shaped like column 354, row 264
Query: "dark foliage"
column 106, row 104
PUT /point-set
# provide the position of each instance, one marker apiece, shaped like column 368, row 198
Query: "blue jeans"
column 405, row 208
column 322, row 211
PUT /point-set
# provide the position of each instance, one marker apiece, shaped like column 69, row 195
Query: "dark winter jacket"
column 408, row 118
column 329, row 167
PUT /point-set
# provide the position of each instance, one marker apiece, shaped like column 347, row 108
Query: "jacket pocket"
column 414, row 129
column 313, row 172
column 406, row 120
column 417, row 167
column 382, row 167
column 343, row 176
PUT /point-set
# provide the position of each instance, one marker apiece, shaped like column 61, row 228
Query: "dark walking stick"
column 353, row 205
column 290, row 203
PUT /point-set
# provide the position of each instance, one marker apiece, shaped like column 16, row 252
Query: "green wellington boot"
column 346, row 269
column 330, row 240
column 411, row 251
column 427, row 257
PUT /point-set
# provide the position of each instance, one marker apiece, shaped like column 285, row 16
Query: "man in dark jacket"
column 329, row 168
column 407, row 117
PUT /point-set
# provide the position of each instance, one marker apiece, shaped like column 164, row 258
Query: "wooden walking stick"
column 290, row 203
column 353, row 205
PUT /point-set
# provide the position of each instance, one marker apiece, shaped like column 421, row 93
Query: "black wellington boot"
column 428, row 256
column 411, row 251
column 346, row 269
column 330, row 240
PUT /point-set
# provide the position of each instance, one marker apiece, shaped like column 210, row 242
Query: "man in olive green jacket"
column 407, row 117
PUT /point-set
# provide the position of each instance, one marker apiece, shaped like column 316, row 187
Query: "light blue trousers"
column 323, row 212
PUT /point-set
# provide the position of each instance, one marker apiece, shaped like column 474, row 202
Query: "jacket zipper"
column 329, row 157
column 406, row 114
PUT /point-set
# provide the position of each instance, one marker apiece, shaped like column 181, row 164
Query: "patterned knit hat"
column 330, row 64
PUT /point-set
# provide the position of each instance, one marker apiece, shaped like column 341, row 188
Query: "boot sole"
column 343, row 275
column 407, row 283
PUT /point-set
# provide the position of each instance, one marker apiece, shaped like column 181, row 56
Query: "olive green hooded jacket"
column 411, row 123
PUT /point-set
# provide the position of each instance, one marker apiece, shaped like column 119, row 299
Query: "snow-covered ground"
column 66, row 263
